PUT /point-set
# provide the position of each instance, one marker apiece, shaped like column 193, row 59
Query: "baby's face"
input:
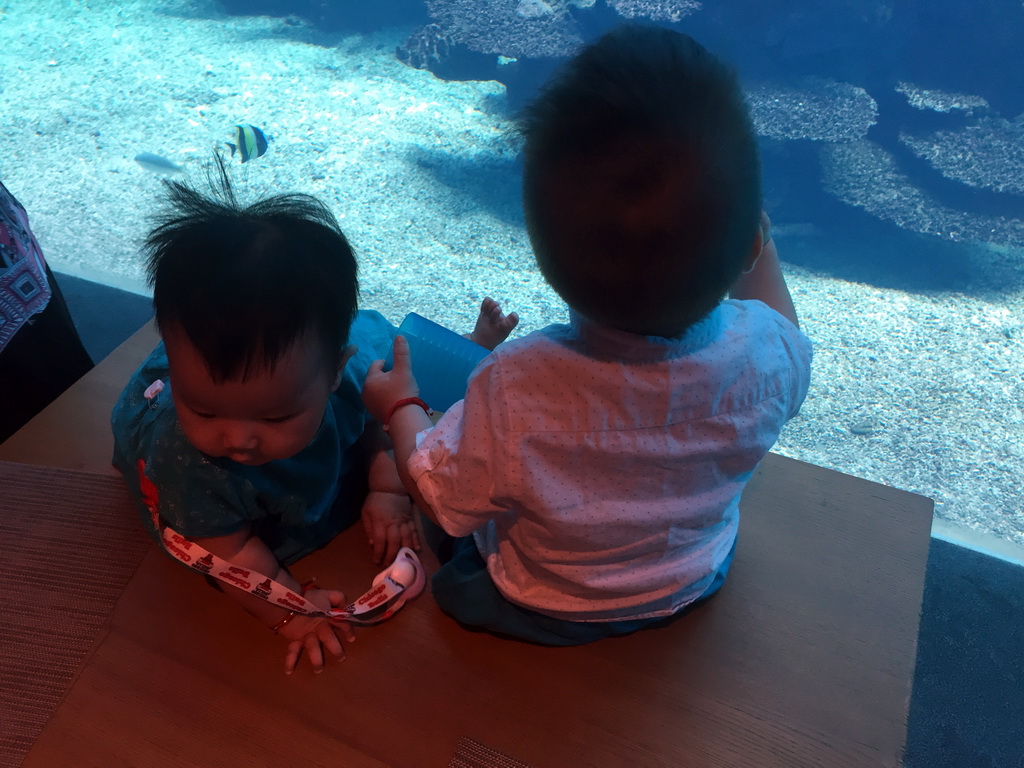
column 267, row 417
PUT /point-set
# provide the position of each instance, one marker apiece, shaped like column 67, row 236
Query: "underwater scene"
column 892, row 137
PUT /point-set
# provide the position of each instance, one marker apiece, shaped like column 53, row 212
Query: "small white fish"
column 156, row 164
column 799, row 230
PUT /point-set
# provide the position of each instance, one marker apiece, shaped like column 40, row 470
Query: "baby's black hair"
column 244, row 282
column 642, row 182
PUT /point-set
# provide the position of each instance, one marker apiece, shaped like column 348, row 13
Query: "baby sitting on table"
column 244, row 431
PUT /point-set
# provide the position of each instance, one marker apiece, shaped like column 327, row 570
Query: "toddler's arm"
column 313, row 635
column 381, row 390
column 387, row 514
column 765, row 280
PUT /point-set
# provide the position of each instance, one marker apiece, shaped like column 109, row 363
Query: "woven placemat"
column 473, row 754
column 69, row 543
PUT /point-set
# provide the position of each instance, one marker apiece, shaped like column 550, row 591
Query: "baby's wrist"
column 276, row 629
column 304, row 589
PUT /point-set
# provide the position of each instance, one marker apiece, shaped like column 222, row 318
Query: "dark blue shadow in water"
column 831, row 237
column 815, row 230
column 855, row 246
column 492, row 185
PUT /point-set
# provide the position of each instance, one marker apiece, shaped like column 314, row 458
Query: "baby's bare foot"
column 493, row 326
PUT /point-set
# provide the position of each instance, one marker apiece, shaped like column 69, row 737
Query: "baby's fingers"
column 344, row 631
column 341, row 628
column 411, row 535
column 314, row 653
column 398, row 534
column 330, row 641
column 336, row 598
column 400, row 352
column 291, row 658
column 376, row 535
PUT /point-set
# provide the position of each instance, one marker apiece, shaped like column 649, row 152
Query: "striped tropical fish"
column 250, row 142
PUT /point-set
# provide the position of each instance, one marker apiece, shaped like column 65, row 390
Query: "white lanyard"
column 401, row 581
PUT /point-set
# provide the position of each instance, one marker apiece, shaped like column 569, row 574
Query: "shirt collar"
column 609, row 343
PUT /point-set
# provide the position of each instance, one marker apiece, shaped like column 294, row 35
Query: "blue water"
column 952, row 46
column 892, row 143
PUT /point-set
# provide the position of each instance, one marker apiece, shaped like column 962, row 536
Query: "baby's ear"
column 761, row 239
column 344, row 356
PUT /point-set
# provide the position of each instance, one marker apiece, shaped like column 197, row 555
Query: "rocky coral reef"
column 514, row 28
column 537, row 28
column 941, row 101
column 821, row 110
column 860, row 167
column 986, row 155
column 655, row 10
column 865, row 175
column 426, row 46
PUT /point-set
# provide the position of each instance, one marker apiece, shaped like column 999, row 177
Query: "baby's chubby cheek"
column 202, row 442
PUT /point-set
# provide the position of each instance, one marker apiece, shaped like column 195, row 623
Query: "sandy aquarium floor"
column 922, row 392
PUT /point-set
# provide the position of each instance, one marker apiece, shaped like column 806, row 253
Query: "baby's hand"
column 316, row 634
column 390, row 523
column 382, row 389
column 492, row 325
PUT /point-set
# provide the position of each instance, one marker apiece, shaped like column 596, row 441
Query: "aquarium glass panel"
column 892, row 140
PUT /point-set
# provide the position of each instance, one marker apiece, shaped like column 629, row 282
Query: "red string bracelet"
column 403, row 402
column 292, row 614
column 281, row 624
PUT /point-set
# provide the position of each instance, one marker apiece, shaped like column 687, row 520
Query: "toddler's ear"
column 343, row 358
column 762, row 237
column 754, row 255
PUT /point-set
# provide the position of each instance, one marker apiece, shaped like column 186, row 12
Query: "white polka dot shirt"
column 600, row 471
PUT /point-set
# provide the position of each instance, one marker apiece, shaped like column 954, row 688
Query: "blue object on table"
column 441, row 360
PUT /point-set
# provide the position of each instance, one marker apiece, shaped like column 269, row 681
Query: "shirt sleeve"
column 461, row 466
column 791, row 349
column 798, row 348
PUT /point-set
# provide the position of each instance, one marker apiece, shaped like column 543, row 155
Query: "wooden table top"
column 804, row 659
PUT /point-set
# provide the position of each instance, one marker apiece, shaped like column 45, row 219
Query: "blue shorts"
column 464, row 590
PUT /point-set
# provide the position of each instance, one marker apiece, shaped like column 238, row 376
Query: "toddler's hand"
column 390, row 523
column 382, row 389
column 314, row 635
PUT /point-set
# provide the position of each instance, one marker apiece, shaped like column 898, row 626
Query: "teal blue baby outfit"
column 295, row 505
